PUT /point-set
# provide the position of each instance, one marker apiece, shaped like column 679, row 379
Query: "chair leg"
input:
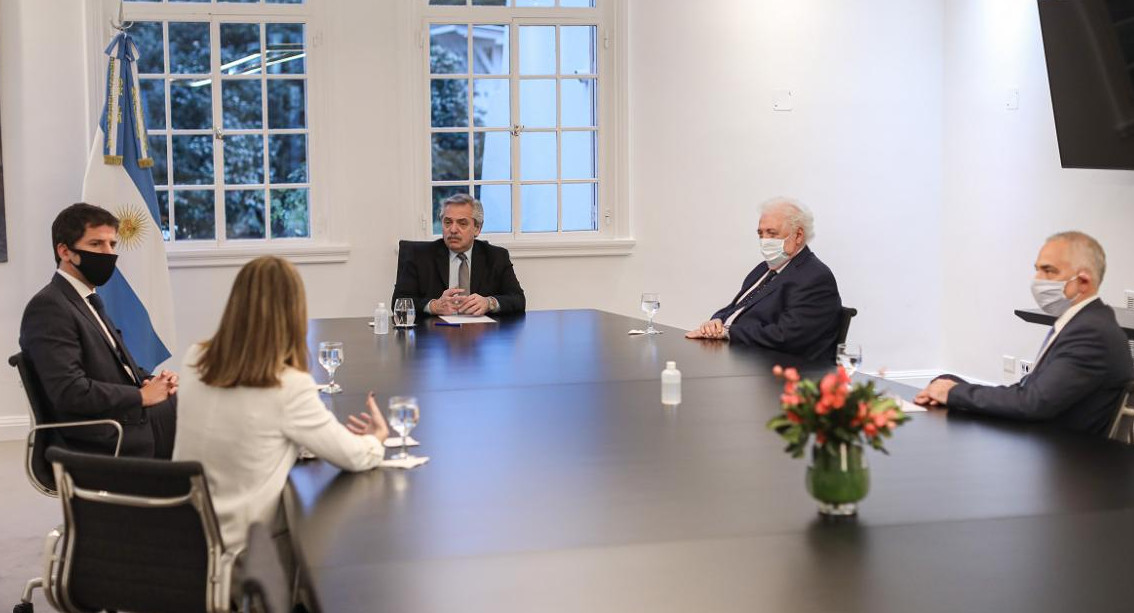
column 25, row 604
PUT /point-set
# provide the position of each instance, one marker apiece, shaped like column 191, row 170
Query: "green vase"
column 838, row 478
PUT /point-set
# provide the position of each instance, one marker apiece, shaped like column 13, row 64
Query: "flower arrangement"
column 834, row 411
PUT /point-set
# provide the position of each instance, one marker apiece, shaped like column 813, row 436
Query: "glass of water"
column 404, row 313
column 331, row 357
column 403, row 415
column 849, row 356
column 650, row 304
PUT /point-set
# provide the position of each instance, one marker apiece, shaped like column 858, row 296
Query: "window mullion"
column 266, row 131
column 514, row 113
column 558, row 131
column 218, row 143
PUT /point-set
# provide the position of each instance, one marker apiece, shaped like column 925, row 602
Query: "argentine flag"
column 138, row 297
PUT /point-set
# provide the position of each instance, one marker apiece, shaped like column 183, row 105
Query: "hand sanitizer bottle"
column 381, row 319
column 671, row 384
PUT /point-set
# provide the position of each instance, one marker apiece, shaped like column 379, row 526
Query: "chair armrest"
column 79, row 424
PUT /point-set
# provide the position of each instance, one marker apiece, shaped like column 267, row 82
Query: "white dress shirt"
column 247, row 438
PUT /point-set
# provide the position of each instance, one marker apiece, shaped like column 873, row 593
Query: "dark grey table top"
column 572, row 487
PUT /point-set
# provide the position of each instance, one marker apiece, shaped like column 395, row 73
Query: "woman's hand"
column 371, row 422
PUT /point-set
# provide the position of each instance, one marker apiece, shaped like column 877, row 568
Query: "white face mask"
column 1049, row 296
column 773, row 251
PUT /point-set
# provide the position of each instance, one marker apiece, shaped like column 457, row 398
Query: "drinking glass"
column 849, row 356
column 404, row 313
column 650, row 304
column 403, row 414
column 331, row 357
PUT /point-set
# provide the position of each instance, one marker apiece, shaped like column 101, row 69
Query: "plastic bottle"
column 671, row 384
column 381, row 319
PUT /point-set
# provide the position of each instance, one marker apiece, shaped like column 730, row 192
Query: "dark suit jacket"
column 81, row 373
column 798, row 311
column 1076, row 384
column 423, row 273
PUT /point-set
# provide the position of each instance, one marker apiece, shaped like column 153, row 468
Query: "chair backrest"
column 844, row 324
column 141, row 535
column 1122, row 428
column 265, row 583
column 38, row 468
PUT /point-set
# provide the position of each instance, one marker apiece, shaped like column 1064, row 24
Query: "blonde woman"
column 248, row 402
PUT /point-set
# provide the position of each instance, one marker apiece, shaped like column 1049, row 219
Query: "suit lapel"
column 755, row 275
column 441, row 262
column 772, row 285
column 479, row 267
column 80, row 304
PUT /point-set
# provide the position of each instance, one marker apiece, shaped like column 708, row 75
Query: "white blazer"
column 247, row 438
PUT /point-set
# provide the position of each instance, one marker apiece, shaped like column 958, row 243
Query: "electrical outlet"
column 1008, row 364
column 1025, row 367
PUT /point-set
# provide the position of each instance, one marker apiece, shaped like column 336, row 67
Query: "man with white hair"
column 790, row 301
column 1082, row 366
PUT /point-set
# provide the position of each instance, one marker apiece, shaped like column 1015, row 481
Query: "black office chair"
column 1122, row 429
column 844, row 324
column 265, row 584
column 41, row 436
column 140, row 535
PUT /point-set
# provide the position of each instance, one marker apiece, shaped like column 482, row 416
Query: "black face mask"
column 96, row 267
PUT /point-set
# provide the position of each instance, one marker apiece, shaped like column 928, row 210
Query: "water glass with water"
column 403, row 415
column 331, row 358
column 404, row 313
column 849, row 356
column 650, row 304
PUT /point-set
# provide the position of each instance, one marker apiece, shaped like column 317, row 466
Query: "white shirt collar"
column 79, row 286
column 468, row 255
column 1062, row 320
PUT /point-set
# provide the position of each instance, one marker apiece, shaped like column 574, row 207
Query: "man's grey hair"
column 1084, row 252
column 461, row 199
column 797, row 215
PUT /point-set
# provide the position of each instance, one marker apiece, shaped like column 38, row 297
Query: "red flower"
column 870, row 429
column 789, row 387
column 778, row 370
column 789, row 399
column 791, row 374
column 793, row 417
column 821, row 407
column 843, row 377
column 820, row 439
column 827, row 386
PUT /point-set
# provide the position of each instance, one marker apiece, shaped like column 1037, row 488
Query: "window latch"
column 517, row 129
column 218, row 134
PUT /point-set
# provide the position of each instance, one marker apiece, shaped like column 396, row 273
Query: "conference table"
column 557, row 481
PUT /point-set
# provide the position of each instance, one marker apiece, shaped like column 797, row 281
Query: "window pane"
column 577, row 45
column 189, row 48
column 149, row 40
column 490, row 49
column 191, row 105
column 448, row 49
column 537, row 156
column 161, row 167
column 579, row 207
column 490, row 103
column 244, row 213
column 579, row 102
column 492, row 156
column 447, row 2
column 239, row 1
column 163, row 211
column 537, row 50
column 450, row 103
column 192, row 160
column 284, row 1
column 240, row 48
column 153, row 98
column 286, row 103
column 489, row 2
column 289, row 213
column 578, row 155
column 577, row 3
column 451, row 157
column 193, row 212
column 287, row 158
column 540, row 209
column 242, row 105
column 244, row 159
column 440, row 193
column 286, row 53
column 497, row 201
column 535, row 2
column 537, row 103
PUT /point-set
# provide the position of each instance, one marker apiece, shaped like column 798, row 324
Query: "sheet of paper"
column 468, row 319
column 909, row 407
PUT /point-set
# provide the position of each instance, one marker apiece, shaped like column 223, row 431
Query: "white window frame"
column 321, row 246
column 613, row 236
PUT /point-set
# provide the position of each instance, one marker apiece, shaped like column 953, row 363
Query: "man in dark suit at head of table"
column 457, row 274
column 75, row 349
column 1083, row 364
column 790, row 301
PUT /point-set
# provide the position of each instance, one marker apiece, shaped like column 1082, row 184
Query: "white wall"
column 1004, row 189
column 863, row 148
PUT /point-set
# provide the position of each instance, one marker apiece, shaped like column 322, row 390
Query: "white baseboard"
column 14, row 428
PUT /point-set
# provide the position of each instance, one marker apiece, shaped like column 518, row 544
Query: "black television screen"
column 1089, row 46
